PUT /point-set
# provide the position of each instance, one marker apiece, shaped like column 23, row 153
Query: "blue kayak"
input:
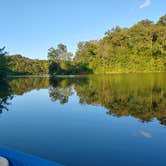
column 22, row 159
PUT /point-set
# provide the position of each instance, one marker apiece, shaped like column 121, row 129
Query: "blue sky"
column 30, row 27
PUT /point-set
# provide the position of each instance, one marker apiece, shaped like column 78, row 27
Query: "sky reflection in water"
column 87, row 120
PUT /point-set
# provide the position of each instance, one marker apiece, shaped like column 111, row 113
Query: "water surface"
column 87, row 120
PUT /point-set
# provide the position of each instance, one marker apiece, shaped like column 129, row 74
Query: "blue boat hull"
column 21, row 159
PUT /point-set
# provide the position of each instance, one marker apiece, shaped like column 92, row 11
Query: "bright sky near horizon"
column 30, row 27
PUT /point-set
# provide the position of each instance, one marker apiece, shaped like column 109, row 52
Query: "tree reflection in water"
column 5, row 95
column 142, row 96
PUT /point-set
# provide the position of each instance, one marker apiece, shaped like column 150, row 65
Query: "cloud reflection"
column 146, row 134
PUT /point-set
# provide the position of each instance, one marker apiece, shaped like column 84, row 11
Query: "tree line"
column 140, row 48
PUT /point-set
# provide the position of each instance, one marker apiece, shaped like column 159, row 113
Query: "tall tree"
column 60, row 53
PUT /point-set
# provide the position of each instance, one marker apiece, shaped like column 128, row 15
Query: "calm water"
column 93, row 120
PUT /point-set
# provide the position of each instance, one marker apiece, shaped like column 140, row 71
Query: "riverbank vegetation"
column 20, row 65
column 140, row 48
column 3, row 63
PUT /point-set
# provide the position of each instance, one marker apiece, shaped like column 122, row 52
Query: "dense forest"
column 19, row 65
column 25, row 66
column 140, row 48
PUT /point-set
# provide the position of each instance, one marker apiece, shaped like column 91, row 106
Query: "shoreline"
column 72, row 75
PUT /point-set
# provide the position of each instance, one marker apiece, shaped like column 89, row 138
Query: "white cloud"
column 145, row 4
column 146, row 134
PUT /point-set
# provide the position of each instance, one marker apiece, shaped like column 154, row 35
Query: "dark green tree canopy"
column 3, row 63
column 139, row 48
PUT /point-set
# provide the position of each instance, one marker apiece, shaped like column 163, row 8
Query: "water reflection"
column 62, row 88
column 142, row 96
column 18, row 86
column 146, row 134
column 5, row 95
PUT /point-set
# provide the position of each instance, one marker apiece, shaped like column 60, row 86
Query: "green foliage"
column 61, row 62
column 162, row 21
column 24, row 66
column 141, row 48
column 60, row 67
column 54, row 68
column 52, row 53
column 59, row 53
column 3, row 63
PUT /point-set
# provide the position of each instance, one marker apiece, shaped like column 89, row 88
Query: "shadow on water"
column 142, row 96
